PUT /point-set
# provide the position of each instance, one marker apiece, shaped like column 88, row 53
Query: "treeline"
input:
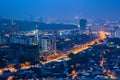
column 15, row 25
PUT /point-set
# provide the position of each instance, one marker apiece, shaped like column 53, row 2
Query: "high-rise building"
column 0, row 39
column 112, row 33
column 36, row 35
column 31, row 40
column 83, row 24
column 17, row 39
column 0, row 35
column 24, row 39
column 117, row 33
column 48, row 44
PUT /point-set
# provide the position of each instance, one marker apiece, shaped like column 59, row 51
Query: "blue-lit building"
column 29, row 38
column 117, row 33
column 83, row 24
column 24, row 39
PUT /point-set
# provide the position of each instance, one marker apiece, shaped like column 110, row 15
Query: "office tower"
column 48, row 44
column 83, row 24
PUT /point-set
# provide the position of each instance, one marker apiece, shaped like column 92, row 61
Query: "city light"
column 49, row 40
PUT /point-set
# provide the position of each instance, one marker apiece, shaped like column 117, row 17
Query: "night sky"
column 21, row 9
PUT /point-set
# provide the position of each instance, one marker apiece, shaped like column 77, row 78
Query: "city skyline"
column 96, row 9
column 59, row 39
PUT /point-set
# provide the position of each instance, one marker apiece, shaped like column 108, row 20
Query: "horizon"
column 93, row 9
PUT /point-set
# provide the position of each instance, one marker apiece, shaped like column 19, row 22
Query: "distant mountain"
column 15, row 25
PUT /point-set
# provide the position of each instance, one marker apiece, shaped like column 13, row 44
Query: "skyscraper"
column 83, row 24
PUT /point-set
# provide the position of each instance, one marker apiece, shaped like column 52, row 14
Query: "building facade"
column 48, row 44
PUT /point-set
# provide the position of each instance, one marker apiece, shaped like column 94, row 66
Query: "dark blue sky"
column 20, row 9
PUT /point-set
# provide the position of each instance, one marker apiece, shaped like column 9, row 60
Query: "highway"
column 102, row 36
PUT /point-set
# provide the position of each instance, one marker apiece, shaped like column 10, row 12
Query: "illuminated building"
column 24, row 39
column 112, row 33
column 29, row 38
column 117, row 33
column 17, row 39
column 65, row 33
column 48, row 44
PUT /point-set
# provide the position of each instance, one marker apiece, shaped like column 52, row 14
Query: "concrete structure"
column 117, row 33
column 48, row 44
column 29, row 38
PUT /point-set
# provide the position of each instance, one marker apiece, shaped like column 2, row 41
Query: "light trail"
column 108, row 72
column 102, row 36
column 52, row 60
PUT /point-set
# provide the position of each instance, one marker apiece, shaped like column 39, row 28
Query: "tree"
column 2, row 61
